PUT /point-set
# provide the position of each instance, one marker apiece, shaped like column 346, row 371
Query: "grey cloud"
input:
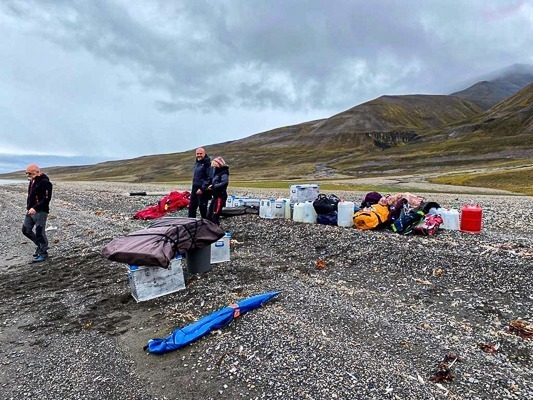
column 209, row 56
column 205, row 105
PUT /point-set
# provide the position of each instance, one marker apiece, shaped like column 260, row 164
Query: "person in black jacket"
column 218, row 188
column 38, row 207
column 200, row 181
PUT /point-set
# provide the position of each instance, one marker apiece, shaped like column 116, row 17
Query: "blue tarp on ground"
column 217, row 320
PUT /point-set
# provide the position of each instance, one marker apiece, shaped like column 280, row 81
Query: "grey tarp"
column 156, row 245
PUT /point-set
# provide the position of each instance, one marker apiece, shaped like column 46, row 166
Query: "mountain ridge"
column 389, row 134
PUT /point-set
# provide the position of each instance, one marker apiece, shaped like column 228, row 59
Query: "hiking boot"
column 36, row 254
column 39, row 259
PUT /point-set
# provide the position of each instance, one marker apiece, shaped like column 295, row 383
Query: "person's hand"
column 32, row 211
column 210, row 187
column 199, row 191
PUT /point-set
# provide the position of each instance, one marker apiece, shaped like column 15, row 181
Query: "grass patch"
column 516, row 180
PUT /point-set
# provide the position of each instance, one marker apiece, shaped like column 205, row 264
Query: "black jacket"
column 201, row 174
column 220, row 181
column 39, row 194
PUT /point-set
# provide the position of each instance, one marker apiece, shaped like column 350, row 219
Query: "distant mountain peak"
column 492, row 88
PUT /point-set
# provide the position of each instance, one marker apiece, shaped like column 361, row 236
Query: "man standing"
column 37, row 204
column 200, row 181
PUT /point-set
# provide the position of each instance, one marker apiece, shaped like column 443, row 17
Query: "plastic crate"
column 220, row 250
column 147, row 283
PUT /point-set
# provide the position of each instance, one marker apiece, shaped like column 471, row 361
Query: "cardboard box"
column 147, row 283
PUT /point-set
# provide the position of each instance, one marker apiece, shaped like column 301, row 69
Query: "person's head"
column 200, row 153
column 218, row 162
column 32, row 171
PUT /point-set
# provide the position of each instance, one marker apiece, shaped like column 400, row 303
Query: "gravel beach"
column 374, row 323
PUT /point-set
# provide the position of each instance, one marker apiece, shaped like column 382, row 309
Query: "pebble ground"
column 373, row 323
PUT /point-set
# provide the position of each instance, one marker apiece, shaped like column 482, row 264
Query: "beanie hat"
column 220, row 161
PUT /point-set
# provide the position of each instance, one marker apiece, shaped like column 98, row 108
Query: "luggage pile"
column 403, row 213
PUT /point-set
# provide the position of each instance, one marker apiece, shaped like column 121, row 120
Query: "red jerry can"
column 471, row 216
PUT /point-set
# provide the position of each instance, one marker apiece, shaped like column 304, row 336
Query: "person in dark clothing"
column 200, row 181
column 38, row 207
column 218, row 188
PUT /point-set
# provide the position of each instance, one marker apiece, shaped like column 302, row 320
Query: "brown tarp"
column 156, row 245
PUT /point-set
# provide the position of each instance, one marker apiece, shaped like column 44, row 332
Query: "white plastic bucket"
column 299, row 212
column 345, row 213
column 450, row 218
column 309, row 213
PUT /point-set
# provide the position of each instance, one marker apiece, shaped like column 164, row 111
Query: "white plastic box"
column 234, row 201
column 220, row 250
column 303, row 193
column 147, row 283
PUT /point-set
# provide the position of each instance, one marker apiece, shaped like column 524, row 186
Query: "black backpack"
column 325, row 204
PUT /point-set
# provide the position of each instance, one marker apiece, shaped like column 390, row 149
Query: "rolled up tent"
column 156, row 245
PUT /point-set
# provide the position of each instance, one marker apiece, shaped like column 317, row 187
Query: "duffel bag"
column 327, row 219
column 325, row 204
column 374, row 217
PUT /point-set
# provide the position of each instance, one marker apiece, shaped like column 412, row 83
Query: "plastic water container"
column 450, row 218
column 309, row 213
column 471, row 216
column 299, row 212
column 345, row 211
column 229, row 201
column 265, row 208
column 279, row 208
column 288, row 208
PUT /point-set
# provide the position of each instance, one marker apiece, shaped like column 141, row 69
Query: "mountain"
column 498, row 85
column 390, row 135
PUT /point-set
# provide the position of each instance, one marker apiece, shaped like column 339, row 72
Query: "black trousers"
column 39, row 237
column 198, row 201
column 215, row 208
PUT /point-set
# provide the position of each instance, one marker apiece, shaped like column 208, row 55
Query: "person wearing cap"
column 218, row 188
column 38, row 207
column 200, row 180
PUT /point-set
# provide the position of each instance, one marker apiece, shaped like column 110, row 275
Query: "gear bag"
column 327, row 219
column 325, row 204
column 429, row 225
column 405, row 224
column 370, row 199
column 373, row 217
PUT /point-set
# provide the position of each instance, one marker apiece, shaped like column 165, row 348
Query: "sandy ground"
column 374, row 323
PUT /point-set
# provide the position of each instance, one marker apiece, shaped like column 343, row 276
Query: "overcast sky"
column 124, row 78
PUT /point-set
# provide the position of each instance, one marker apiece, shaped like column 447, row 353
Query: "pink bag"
column 429, row 225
